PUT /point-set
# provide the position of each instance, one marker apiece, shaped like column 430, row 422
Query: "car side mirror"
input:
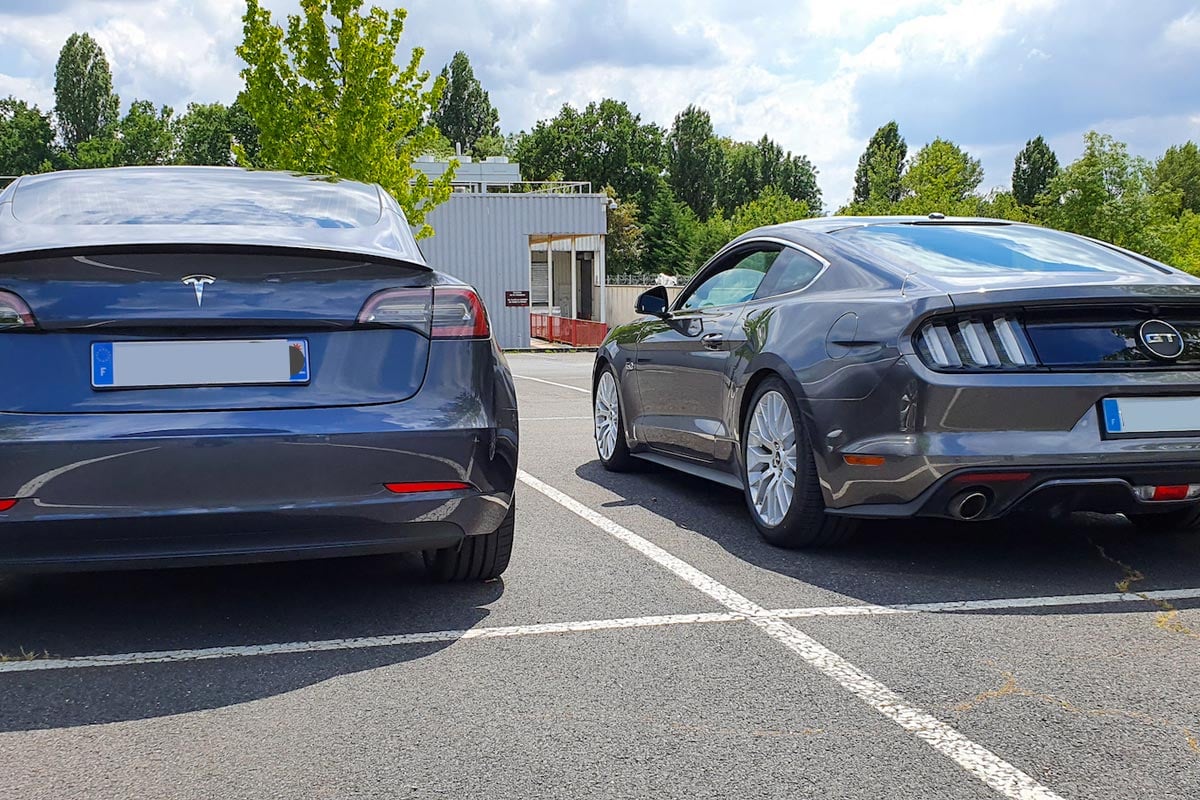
column 653, row 301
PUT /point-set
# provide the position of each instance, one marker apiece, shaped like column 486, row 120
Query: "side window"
column 792, row 270
column 735, row 282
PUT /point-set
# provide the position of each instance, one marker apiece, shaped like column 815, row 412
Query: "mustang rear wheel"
column 478, row 558
column 780, row 476
column 608, row 425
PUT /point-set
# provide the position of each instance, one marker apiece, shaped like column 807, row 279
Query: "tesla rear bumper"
column 123, row 490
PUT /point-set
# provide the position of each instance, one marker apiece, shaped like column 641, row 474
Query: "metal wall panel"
column 483, row 239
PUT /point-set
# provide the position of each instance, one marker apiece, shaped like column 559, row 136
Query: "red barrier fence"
column 575, row 332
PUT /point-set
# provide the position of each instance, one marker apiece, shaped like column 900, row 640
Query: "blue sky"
column 818, row 77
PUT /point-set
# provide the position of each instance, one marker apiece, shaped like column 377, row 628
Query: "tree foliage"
column 1033, row 169
column 146, row 136
column 204, row 135
column 753, row 166
column 26, row 138
column 695, row 160
column 464, row 113
column 1179, row 170
column 668, row 235
column 940, row 177
column 606, row 144
column 84, row 103
column 328, row 98
column 623, row 245
column 877, row 178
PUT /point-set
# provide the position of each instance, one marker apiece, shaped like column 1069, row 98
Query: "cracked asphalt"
column 1096, row 699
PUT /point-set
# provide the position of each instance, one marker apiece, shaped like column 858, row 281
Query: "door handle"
column 713, row 341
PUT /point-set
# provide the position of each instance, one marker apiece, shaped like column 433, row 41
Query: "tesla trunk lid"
column 212, row 305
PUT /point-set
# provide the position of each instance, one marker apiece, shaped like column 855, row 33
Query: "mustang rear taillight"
column 445, row 312
column 1160, row 494
column 14, row 313
column 988, row 341
column 6, row 505
column 426, row 486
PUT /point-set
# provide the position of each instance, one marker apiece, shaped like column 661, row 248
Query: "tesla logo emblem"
column 1161, row 339
column 198, row 282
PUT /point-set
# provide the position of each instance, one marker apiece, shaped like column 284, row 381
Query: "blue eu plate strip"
column 1112, row 415
column 102, row 364
column 300, row 364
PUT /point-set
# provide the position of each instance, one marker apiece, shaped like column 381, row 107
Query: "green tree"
column 1179, row 170
column 328, row 98
column 1033, row 168
column 623, row 244
column 940, row 177
column 146, row 135
column 1181, row 242
column 84, row 103
column 668, row 235
column 771, row 207
column 605, row 143
column 877, row 178
column 695, row 160
column 1105, row 194
column 486, row 146
column 204, row 135
column 26, row 137
column 244, row 132
column 97, row 152
column 753, row 166
column 465, row 113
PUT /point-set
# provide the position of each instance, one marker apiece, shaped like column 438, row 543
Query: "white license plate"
column 127, row 365
column 1126, row 415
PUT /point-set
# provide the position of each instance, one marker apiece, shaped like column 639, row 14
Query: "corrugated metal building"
column 495, row 233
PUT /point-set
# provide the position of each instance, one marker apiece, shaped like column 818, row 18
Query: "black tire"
column 806, row 523
column 478, row 558
column 1181, row 520
column 620, row 460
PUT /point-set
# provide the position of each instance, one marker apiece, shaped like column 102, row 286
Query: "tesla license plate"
column 1149, row 415
column 129, row 365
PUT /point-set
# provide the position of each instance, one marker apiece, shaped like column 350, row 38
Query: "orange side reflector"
column 864, row 461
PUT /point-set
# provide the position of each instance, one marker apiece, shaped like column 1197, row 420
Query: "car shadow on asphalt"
column 66, row 615
column 889, row 562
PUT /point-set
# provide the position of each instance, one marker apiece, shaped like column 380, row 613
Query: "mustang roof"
column 202, row 206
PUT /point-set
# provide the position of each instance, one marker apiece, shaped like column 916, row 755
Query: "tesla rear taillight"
column 446, row 312
column 398, row 308
column 980, row 342
column 458, row 313
column 6, row 505
column 14, row 314
column 426, row 486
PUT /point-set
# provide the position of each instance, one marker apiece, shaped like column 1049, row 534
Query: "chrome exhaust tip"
column 969, row 505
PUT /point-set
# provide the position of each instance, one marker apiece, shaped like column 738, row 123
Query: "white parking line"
column 552, row 383
column 985, row 765
column 359, row 643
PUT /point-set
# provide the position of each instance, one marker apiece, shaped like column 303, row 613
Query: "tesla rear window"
column 948, row 249
column 194, row 197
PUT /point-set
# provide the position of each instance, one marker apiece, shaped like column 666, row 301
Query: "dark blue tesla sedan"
column 207, row 365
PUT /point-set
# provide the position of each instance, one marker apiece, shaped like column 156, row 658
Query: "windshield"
column 970, row 250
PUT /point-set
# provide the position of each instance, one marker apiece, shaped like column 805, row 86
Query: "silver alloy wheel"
column 606, row 415
column 771, row 458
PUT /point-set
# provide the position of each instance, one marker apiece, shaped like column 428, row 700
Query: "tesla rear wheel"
column 1181, row 520
column 478, row 558
column 608, row 425
column 780, row 476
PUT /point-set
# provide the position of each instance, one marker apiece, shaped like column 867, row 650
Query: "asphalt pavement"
column 644, row 643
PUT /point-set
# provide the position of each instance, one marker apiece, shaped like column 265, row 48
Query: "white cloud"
column 817, row 76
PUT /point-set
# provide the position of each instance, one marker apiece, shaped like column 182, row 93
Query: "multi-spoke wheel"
column 780, row 476
column 606, row 416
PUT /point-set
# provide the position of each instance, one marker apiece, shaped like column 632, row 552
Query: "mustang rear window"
column 194, row 197
column 948, row 249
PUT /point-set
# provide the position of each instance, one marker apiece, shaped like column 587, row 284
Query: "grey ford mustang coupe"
column 845, row 368
column 210, row 365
